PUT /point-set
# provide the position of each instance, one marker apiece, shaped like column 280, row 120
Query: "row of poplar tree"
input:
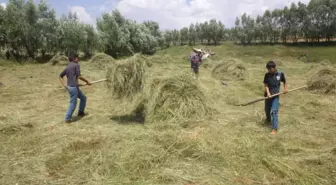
column 311, row 23
column 29, row 30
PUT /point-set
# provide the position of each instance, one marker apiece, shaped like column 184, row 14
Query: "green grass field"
column 233, row 146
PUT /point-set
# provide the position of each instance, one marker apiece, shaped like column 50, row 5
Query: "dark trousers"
column 195, row 67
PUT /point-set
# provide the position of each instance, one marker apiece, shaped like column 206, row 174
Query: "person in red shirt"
column 195, row 61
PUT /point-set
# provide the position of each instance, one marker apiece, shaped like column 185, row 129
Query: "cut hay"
column 101, row 57
column 278, row 62
column 126, row 78
column 209, row 63
column 231, row 69
column 323, row 81
column 165, row 59
column 144, row 59
column 173, row 99
column 59, row 60
column 100, row 60
column 323, row 63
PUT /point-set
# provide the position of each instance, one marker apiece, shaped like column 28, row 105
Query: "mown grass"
column 233, row 146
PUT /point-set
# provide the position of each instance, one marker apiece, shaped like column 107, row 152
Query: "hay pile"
column 101, row 57
column 323, row 81
column 231, row 69
column 175, row 98
column 126, row 78
column 323, row 63
column 100, row 60
column 59, row 60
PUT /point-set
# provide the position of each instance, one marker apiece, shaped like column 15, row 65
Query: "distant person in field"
column 73, row 73
column 272, row 82
column 196, row 60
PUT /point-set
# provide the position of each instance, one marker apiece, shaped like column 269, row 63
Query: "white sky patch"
column 177, row 13
column 83, row 16
column 3, row 5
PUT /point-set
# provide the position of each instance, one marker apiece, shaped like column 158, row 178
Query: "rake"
column 265, row 98
column 93, row 82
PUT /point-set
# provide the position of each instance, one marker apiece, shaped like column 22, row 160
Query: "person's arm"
column 266, row 86
column 61, row 79
column 78, row 73
column 283, row 79
column 286, row 88
column 267, row 90
column 84, row 80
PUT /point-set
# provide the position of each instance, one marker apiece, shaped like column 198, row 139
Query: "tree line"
column 29, row 30
column 311, row 23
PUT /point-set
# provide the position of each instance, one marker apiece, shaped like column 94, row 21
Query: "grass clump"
column 126, row 78
column 175, row 98
column 59, row 60
column 231, row 69
column 323, row 81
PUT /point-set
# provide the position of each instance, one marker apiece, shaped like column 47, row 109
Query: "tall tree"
column 294, row 23
column 192, row 35
column 176, row 36
column 184, row 35
column 47, row 25
column 168, row 38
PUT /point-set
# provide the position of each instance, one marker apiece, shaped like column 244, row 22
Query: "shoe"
column 68, row 121
column 82, row 114
column 274, row 132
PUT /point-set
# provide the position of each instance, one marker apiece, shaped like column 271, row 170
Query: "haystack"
column 175, row 98
column 59, row 60
column 126, row 78
column 323, row 81
column 101, row 57
column 231, row 69
column 101, row 60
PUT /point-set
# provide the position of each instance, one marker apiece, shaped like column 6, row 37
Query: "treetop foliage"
column 29, row 30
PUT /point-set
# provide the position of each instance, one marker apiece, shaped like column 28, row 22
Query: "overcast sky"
column 169, row 13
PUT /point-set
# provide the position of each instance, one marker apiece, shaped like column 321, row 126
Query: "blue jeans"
column 271, row 110
column 75, row 93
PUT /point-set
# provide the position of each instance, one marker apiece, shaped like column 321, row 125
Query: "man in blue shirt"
column 272, row 82
column 72, row 72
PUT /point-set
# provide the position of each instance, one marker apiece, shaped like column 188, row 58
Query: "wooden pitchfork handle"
column 93, row 82
column 265, row 98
